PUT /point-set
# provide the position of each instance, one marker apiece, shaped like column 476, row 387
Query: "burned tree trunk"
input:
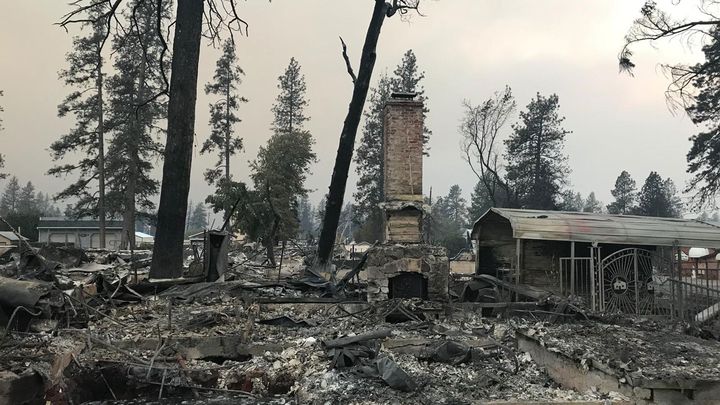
column 347, row 137
column 167, row 252
column 101, row 153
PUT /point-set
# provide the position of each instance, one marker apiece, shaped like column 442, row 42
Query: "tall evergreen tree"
column 408, row 79
column 279, row 175
column 625, row 193
column 480, row 202
column 289, row 107
column 658, row 198
column 26, row 199
column 11, row 197
column 571, row 201
column 369, row 157
column 134, row 115
column 449, row 217
column 592, row 204
column 704, row 155
column 455, row 206
column 306, row 217
column 269, row 213
column 223, row 117
column 198, row 218
column 86, row 103
column 536, row 167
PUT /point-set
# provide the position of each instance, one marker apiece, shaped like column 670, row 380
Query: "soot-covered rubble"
column 281, row 337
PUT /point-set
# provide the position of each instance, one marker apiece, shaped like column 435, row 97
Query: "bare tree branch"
column 347, row 61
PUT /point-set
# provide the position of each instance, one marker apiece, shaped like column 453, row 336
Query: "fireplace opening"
column 408, row 285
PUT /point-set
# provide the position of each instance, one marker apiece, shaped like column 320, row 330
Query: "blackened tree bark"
column 167, row 252
column 101, row 153
column 336, row 193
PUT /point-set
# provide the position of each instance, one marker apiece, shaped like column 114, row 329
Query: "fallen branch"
column 341, row 342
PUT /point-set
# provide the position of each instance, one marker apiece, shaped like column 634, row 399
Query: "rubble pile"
column 642, row 350
column 95, row 329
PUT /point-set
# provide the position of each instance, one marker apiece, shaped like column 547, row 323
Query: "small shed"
column 577, row 251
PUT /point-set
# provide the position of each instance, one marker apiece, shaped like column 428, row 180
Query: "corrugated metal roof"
column 81, row 223
column 605, row 228
column 11, row 236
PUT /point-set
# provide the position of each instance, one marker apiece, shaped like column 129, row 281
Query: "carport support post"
column 680, row 297
column 572, row 268
column 518, row 261
column 593, row 306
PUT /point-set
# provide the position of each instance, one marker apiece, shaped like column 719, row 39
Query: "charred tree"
column 344, row 156
column 167, row 251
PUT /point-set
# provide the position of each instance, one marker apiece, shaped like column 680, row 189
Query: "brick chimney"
column 403, row 154
column 403, row 148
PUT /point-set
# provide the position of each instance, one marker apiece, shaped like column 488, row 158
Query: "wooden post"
column 593, row 304
column 518, row 260
column 679, row 295
column 572, row 268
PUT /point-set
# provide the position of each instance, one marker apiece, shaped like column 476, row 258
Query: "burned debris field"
column 287, row 202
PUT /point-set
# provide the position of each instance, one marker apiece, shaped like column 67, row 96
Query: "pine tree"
column 269, row 213
column 658, row 198
column 289, row 107
column 279, row 173
column 592, row 204
column 346, row 228
column 223, row 115
column 86, row 103
column 407, row 79
column 27, row 203
column 625, row 193
column 198, row 219
column 9, row 203
column 369, row 157
column 449, row 221
column 306, row 217
column 536, row 164
column 134, row 114
column 571, row 201
column 455, row 206
column 480, row 202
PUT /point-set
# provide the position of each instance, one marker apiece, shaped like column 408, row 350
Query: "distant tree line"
column 22, row 207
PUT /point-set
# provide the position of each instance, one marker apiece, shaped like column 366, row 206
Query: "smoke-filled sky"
column 467, row 48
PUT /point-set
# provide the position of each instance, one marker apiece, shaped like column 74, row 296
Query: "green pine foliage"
column 704, row 155
column 625, row 193
column 86, row 104
column 536, row 168
column 224, row 113
column 368, row 159
column 289, row 107
column 658, row 198
column 135, row 113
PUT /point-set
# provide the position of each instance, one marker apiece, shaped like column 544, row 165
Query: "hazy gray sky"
column 467, row 48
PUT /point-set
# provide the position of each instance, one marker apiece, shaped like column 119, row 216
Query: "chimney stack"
column 403, row 153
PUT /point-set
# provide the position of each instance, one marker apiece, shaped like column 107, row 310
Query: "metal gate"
column 630, row 279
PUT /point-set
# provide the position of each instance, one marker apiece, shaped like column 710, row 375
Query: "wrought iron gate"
column 630, row 279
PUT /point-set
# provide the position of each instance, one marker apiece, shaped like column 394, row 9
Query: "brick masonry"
column 403, row 150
